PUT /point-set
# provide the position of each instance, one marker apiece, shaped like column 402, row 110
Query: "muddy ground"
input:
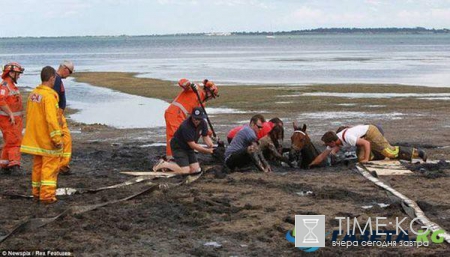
column 247, row 214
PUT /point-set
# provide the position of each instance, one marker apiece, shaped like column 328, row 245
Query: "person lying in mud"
column 267, row 127
column 366, row 138
column 184, row 142
column 244, row 149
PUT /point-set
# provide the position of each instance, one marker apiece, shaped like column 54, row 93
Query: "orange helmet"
column 211, row 87
column 12, row 66
column 184, row 83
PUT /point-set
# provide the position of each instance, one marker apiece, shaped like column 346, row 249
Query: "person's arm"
column 366, row 146
column 4, row 106
column 199, row 148
column 51, row 105
column 208, row 141
column 323, row 155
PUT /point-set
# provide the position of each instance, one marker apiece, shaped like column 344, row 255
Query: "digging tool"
column 219, row 142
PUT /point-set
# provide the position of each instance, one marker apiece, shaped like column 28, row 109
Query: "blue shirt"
column 59, row 88
column 244, row 138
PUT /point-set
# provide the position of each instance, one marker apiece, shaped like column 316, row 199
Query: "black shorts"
column 182, row 156
column 238, row 159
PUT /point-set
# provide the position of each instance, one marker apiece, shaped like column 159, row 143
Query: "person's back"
column 241, row 141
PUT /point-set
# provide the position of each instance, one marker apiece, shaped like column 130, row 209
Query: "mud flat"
column 243, row 214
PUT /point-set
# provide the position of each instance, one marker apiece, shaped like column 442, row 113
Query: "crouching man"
column 184, row 142
column 43, row 137
column 369, row 140
column 244, row 149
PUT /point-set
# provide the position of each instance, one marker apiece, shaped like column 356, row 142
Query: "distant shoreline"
column 317, row 31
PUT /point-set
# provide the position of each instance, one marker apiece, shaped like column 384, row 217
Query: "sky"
column 147, row 17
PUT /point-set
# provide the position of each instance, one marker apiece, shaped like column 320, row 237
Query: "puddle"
column 374, row 106
column 437, row 96
column 351, row 115
column 346, row 104
column 119, row 110
column 153, row 144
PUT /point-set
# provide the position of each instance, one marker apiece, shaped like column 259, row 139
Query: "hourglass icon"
column 310, row 224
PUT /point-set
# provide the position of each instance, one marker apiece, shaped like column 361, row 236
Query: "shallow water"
column 119, row 110
column 403, row 59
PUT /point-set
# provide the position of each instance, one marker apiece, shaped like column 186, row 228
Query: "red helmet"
column 211, row 87
column 12, row 66
column 184, row 83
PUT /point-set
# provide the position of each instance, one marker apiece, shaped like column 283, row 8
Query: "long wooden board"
column 387, row 168
column 150, row 173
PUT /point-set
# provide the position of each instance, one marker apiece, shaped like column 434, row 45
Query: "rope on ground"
column 34, row 223
column 409, row 205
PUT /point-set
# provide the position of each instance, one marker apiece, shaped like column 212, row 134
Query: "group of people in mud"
column 47, row 136
column 259, row 140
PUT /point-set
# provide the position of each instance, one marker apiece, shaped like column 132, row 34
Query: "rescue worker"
column 183, row 104
column 184, row 142
column 11, row 113
column 366, row 138
column 65, row 69
column 43, row 138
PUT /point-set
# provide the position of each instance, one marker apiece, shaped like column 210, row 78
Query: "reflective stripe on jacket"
column 42, row 128
column 10, row 95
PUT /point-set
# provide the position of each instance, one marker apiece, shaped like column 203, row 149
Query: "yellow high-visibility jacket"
column 42, row 128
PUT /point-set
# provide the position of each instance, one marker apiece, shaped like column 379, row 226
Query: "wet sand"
column 248, row 214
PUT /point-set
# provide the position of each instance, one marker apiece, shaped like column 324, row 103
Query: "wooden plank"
column 388, row 168
column 149, row 173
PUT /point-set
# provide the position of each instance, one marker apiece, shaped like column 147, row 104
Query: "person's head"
column 65, row 69
column 48, row 75
column 342, row 128
column 197, row 116
column 211, row 90
column 256, row 122
column 277, row 121
column 330, row 139
column 12, row 70
column 277, row 135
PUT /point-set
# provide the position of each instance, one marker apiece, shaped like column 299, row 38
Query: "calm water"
column 403, row 59
column 406, row 59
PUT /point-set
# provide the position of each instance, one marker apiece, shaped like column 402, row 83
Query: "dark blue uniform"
column 187, row 132
column 59, row 88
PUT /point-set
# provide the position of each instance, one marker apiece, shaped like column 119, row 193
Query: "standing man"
column 244, row 148
column 183, row 104
column 65, row 69
column 43, row 137
column 11, row 112
column 184, row 143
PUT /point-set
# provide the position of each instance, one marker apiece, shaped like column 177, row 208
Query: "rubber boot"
column 405, row 153
column 419, row 153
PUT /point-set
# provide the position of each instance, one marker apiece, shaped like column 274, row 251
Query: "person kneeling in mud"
column 271, row 147
column 244, row 149
column 366, row 138
column 184, row 142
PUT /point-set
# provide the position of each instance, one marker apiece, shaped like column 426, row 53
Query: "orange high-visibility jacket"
column 10, row 95
column 185, row 102
column 42, row 129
